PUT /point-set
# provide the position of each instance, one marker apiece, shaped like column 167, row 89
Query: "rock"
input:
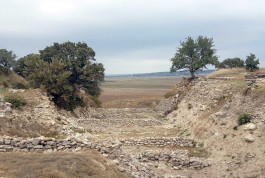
column 249, row 138
column 121, row 169
column 36, row 141
column 116, row 162
column 38, row 147
column 250, row 126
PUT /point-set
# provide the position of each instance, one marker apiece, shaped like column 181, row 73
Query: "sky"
column 134, row 36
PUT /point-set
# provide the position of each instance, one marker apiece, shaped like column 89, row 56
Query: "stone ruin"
column 255, row 80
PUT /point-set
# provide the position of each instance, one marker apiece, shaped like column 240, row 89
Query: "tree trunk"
column 192, row 74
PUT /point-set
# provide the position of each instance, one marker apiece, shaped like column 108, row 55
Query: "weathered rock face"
column 166, row 106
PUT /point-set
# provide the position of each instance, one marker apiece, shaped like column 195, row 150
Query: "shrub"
column 16, row 100
column 96, row 101
column 231, row 62
column 19, row 85
column 235, row 128
column 201, row 144
column 5, row 84
column 170, row 93
column 244, row 118
column 189, row 106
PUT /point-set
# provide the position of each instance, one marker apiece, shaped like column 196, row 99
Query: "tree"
column 7, row 59
column 251, row 63
column 232, row 62
column 80, row 61
column 64, row 69
column 26, row 65
column 194, row 55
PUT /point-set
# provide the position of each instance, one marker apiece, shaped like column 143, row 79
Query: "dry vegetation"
column 121, row 92
column 88, row 163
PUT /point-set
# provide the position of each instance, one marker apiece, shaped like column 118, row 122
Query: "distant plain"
column 122, row 92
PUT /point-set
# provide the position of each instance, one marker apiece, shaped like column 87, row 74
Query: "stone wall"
column 255, row 80
column 118, row 122
column 162, row 141
column 38, row 144
column 178, row 159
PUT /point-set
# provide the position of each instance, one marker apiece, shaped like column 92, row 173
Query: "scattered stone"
column 249, row 138
column 250, row 126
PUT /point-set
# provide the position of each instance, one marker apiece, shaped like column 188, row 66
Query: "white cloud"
column 133, row 30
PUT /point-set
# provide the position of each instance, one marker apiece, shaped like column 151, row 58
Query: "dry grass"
column 26, row 128
column 88, row 163
column 11, row 79
column 236, row 73
column 121, row 92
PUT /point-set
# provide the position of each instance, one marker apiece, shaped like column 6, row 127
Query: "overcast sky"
column 134, row 36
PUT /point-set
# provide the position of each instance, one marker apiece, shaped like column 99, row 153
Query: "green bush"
column 244, row 118
column 201, row 144
column 96, row 101
column 16, row 100
column 19, row 85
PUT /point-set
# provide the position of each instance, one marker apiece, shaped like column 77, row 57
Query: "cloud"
column 123, row 31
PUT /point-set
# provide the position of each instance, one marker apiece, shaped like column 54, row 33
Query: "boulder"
column 250, row 126
column 249, row 138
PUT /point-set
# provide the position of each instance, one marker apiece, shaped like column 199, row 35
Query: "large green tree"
column 194, row 55
column 252, row 63
column 7, row 59
column 64, row 69
column 80, row 61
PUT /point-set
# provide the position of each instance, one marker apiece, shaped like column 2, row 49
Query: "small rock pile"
column 162, row 141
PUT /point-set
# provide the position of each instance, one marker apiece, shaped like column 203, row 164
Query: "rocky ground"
column 191, row 134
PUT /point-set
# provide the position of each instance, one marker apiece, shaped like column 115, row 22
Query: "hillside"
column 194, row 133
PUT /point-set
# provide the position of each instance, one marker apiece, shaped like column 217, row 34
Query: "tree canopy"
column 251, row 63
column 194, row 55
column 7, row 59
column 232, row 62
column 63, row 69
